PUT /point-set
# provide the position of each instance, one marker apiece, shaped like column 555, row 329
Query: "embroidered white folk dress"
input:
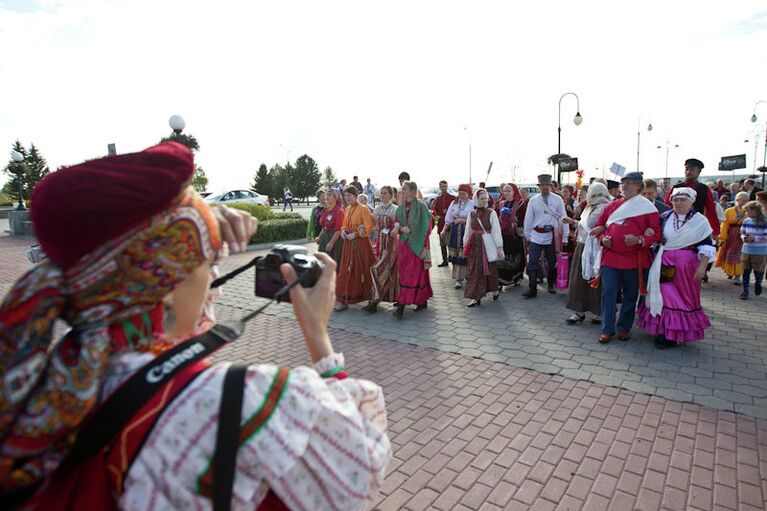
column 323, row 447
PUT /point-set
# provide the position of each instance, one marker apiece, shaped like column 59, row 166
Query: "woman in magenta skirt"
column 413, row 255
column 672, row 309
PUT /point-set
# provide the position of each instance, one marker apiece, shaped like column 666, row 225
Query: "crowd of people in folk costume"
column 629, row 249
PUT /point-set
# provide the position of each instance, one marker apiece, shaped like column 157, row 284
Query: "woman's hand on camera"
column 313, row 306
column 237, row 227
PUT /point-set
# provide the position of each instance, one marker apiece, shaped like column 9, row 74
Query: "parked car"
column 205, row 194
column 532, row 190
column 238, row 197
column 429, row 194
column 494, row 191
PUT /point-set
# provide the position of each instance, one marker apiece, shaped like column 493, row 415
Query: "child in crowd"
column 753, row 232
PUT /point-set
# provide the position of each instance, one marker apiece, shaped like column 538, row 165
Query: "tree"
column 328, row 177
column 12, row 170
column 32, row 169
column 278, row 180
column 200, row 180
column 184, row 139
column 36, row 169
column 262, row 181
column 305, row 178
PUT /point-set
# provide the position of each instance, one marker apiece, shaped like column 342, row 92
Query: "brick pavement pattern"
column 470, row 433
column 727, row 370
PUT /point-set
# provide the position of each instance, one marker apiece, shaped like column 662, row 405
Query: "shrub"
column 280, row 229
column 258, row 211
column 285, row 215
column 6, row 204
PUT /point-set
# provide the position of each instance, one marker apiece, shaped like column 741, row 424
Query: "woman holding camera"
column 413, row 254
column 331, row 221
column 309, row 438
column 354, row 284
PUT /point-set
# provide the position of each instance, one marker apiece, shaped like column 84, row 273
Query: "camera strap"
column 128, row 399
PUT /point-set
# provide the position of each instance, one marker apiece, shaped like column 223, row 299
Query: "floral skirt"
column 384, row 271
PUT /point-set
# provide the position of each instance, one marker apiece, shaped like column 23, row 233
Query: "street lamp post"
column 18, row 159
column 764, row 159
column 668, row 148
column 639, row 134
column 577, row 120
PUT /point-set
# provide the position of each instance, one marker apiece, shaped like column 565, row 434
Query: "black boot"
column 399, row 311
column 532, row 291
column 551, row 280
column 444, row 257
column 758, row 275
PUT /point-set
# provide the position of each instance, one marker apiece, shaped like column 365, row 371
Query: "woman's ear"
column 187, row 300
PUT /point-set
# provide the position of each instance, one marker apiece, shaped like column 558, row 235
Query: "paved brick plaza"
column 478, row 420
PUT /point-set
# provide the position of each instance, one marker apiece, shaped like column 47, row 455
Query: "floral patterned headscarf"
column 48, row 392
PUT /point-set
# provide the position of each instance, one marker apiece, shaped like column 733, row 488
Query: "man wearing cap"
column 614, row 188
column 704, row 201
column 439, row 209
column 627, row 228
column 545, row 232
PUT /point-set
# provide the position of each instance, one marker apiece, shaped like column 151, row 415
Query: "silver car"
column 237, row 197
column 430, row 194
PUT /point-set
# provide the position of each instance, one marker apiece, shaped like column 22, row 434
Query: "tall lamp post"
column 668, row 148
column 639, row 134
column 577, row 120
column 18, row 159
column 764, row 159
column 756, row 136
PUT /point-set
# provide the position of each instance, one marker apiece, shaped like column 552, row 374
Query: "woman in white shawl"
column 672, row 309
column 581, row 296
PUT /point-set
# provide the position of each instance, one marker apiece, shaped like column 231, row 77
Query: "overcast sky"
column 375, row 88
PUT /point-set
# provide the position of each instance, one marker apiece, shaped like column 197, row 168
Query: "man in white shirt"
column 543, row 225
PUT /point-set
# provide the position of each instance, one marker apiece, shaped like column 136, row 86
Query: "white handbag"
column 491, row 249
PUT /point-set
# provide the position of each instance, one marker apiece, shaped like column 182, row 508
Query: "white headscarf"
column 687, row 193
column 597, row 194
column 475, row 199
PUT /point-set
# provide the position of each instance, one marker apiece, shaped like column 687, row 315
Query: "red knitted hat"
column 76, row 209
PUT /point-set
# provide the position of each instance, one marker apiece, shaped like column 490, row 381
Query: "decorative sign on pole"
column 618, row 170
column 568, row 164
column 730, row 163
column 111, row 149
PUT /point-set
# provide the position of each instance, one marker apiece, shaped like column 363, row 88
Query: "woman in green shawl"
column 413, row 255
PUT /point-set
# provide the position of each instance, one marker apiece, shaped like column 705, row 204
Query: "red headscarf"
column 466, row 187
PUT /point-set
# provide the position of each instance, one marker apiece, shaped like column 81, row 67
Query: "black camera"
column 269, row 278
